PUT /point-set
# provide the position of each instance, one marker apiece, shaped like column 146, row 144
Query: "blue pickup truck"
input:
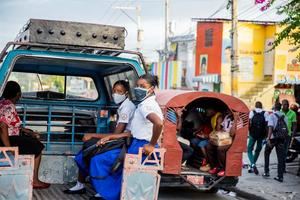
column 66, row 71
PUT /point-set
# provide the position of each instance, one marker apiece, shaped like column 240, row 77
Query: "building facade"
column 261, row 69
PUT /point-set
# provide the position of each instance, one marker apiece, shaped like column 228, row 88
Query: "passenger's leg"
column 259, row 143
column 222, row 150
column 251, row 143
column 286, row 149
column 211, row 155
column 79, row 188
column 31, row 146
column 268, row 150
column 187, row 151
column 280, row 151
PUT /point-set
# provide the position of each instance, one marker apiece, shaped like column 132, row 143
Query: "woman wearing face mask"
column 125, row 113
column 146, row 127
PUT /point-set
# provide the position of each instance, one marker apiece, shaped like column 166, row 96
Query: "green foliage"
column 291, row 24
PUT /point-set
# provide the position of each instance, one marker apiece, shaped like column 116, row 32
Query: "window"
column 44, row 86
column 209, row 37
column 130, row 76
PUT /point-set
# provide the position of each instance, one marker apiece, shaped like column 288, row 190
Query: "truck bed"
column 55, row 191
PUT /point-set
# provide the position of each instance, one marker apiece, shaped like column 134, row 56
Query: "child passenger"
column 125, row 113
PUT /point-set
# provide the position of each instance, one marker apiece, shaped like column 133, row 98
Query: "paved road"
column 186, row 193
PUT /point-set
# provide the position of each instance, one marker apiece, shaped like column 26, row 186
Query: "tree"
column 291, row 24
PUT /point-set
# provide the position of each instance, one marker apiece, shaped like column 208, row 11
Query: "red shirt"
column 9, row 116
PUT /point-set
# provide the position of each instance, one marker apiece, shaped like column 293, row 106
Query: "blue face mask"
column 140, row 93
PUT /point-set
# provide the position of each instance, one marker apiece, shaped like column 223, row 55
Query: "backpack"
column 258, row 125
column 281, row 129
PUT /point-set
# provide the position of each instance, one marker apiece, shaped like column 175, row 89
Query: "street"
column 250, row 186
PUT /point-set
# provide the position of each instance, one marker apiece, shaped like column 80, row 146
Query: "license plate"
column 197, row 180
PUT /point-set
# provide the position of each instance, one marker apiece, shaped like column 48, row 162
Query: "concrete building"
column 260, row 68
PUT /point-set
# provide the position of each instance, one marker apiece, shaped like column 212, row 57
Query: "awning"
column 207, row 78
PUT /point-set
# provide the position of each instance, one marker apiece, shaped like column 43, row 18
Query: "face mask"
column 140, row 93
column 118, row 98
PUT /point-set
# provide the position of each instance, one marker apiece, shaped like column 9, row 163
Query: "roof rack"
column 73, row 48
column 72, row 33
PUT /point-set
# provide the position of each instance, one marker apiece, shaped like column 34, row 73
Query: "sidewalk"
column 269, row 188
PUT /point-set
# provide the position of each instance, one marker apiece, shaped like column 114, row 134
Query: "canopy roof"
column 181, row 98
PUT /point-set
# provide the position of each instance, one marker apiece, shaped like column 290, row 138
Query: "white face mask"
column 118, row 98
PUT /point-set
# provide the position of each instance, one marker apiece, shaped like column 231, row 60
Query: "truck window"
column 130, row 76
column 44, row 86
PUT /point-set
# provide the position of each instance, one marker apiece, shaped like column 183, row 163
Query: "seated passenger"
column 146, row 128
column 201, row 140
column 218, row 165
column 125, row 113
column 216, row 120
column 12, row 134
column 181, row 128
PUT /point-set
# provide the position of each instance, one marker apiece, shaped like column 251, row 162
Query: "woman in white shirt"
column 125, row 114
column 146, row 128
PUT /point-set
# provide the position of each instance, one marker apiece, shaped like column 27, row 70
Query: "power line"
column 108, row 9
column 120, row 13
column 223, row 5
column 264, row 13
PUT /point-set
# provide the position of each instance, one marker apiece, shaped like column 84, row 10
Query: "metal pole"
column 139, row 29
column 234, row 48
column 166, row 51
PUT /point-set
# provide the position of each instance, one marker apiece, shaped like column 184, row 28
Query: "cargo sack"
column 220, row 138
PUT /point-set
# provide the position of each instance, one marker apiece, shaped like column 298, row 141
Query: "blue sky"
column 15, row 13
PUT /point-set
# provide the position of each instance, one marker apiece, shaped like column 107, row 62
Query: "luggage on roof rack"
column 72, row 33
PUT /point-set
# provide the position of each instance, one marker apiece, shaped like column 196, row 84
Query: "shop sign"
column 288, row 79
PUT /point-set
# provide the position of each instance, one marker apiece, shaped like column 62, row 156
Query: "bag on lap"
column 281, row 129
column 220, row 138
column 258, row 125
column 90, row 149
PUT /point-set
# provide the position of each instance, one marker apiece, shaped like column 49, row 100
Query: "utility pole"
column 137, row 21
column 234, row 48
column 166, row 51
column 140, row 31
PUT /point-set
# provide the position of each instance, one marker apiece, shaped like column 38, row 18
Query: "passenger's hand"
column 31, row 133
column 103, row 141
column 35, row 135
column 180, row 111
column 269, row 142
column 148, row 149
column 86, row 137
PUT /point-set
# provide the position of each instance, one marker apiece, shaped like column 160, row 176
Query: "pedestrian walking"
column 291, row 124
column 257, row 133
column 277, row 133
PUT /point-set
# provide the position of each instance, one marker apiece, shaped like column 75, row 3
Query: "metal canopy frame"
column 73, row 49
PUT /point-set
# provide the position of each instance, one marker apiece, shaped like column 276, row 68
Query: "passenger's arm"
column 270, row 130
column 156, row 131
column 4, row 134
column 120, row 128
column 234, row 126
column 113, row 137
column 219, row 123
column 89, row 136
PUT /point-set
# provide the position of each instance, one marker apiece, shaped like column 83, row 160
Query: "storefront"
column 208, row 82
